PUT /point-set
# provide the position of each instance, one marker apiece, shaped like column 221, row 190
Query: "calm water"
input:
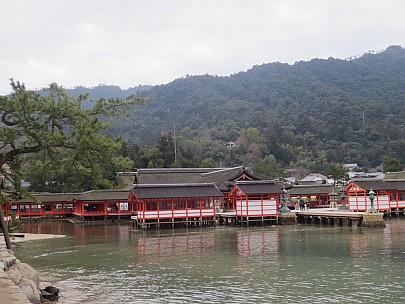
column 289, row 264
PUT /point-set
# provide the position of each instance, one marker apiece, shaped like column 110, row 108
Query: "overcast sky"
column 132, row 42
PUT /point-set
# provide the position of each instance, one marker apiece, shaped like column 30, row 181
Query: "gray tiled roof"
column 125, row 180
column 259, row 187
column 373, row 184
column 144, row 191
column 397, row 184
column 99, row 195
column 395, row 175
column 48, row 197
column 223, row 177
column 381, row 184
column 313, row 189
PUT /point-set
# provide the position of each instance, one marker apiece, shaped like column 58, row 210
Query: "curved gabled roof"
column 224, row 178
column 100, row 195
column 396, row 184
column 259, row 187
column 189, row 190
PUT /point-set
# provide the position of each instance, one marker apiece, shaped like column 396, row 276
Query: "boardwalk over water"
column 334, row 216
column 334, row 212
column 327, row 216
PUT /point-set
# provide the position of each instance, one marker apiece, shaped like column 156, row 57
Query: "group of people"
column 304, row 205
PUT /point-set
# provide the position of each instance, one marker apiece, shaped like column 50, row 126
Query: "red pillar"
column 172, row 201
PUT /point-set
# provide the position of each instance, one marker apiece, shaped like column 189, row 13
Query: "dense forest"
column 311, row 115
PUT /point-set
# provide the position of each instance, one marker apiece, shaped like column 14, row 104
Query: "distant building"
column 395, row 175
column 350, row 167
column 291, row 180
column 366, row 175
column 315, row 178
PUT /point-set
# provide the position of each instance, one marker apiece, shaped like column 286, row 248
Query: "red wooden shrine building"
column 191, row 196
column 103, row 204
column 317, row 196
column 175, row 204
column 389, row 195
column 256, row 201
column 224, row 178
column 97, row 204
column 43, row 205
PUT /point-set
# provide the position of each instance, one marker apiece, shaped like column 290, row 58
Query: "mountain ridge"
column 309, row 113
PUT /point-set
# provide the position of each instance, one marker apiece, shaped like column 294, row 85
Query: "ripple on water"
column 255, row 265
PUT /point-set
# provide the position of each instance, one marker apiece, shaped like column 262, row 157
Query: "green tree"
column 151, row 156
column 131, row 150
column 68, row 174
column 56, row 123
column 392, row 164
column 166, row 147
column 208, row 163
column 252, row 135
column 337, row 171
column 268, row 168
column 188, row 154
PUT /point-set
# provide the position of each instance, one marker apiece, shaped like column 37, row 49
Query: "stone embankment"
column 19, row 282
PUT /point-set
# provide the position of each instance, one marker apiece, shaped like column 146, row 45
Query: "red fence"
column 79, row 208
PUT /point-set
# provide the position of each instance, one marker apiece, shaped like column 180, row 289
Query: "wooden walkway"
column 329, row 216
column 230, row 218
column 227, row 217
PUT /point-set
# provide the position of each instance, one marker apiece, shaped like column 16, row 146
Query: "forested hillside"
column 310, row 114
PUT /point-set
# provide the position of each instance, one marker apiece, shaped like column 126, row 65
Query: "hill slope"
column 309, row 113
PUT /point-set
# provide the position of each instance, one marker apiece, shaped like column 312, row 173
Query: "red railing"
column 55, row 209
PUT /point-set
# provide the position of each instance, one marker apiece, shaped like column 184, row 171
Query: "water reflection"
column 264, row 242
column 116, row 264
column 50, row 227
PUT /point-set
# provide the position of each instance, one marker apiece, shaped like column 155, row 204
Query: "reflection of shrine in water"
column 197, row 242
column 260, row 242
column 208, row 250
column 89, row 233
column 48, row 227
column 376, row 242
column 100, row 233
column 166, row 244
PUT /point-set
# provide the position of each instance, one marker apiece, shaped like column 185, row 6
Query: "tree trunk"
column 4, row 228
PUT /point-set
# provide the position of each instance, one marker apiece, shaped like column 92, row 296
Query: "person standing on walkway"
column 301, row 204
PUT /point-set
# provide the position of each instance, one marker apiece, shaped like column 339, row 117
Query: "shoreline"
column 11, row 292
column 19, row 282
column 25, row 237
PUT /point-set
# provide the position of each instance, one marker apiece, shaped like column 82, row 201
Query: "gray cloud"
column 128, row 43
